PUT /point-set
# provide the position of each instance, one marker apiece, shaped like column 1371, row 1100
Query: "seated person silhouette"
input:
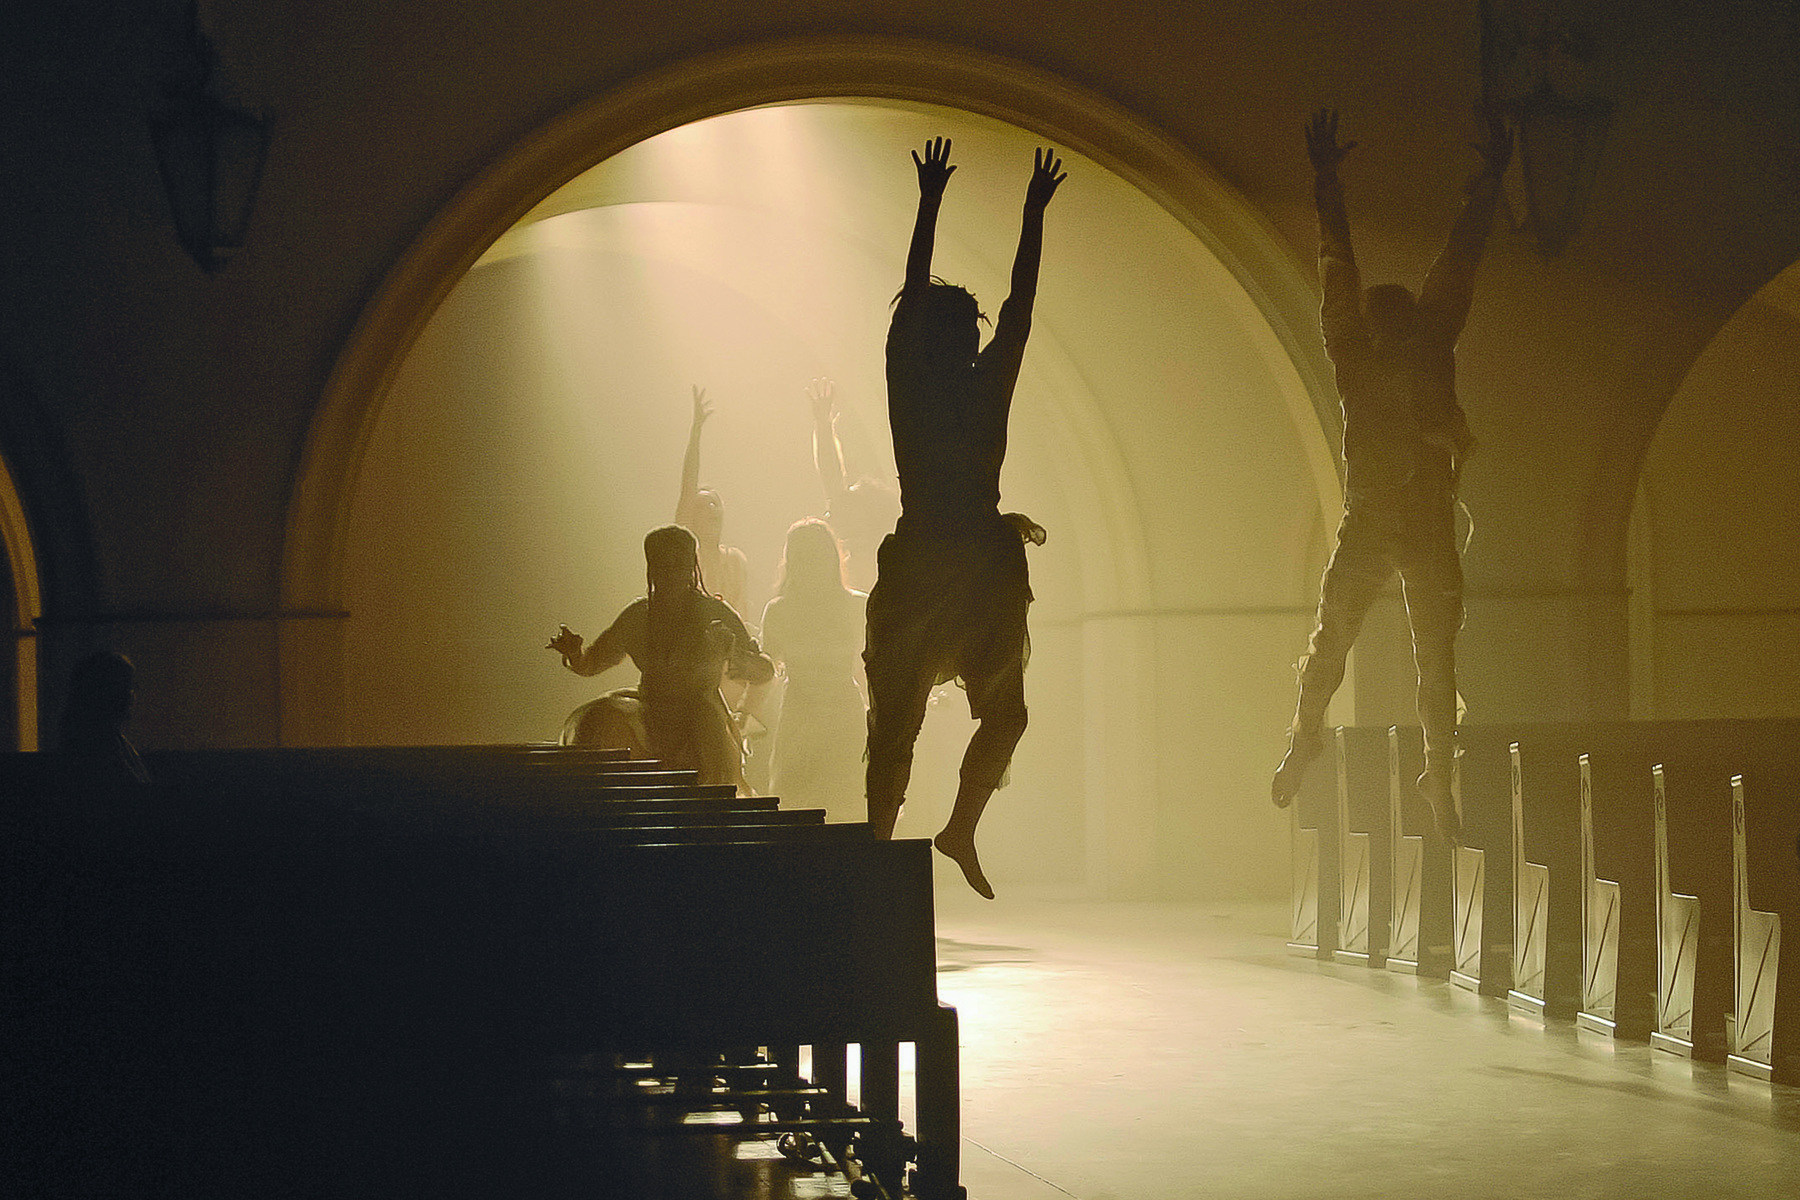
column 951, row 589
column 814, row 628
column 98, row 760
column 1405, row 441
column 683, row 642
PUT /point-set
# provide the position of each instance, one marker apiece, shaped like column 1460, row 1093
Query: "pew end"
column 1364, row 861
column 1762, row 1040
column 1312, row 824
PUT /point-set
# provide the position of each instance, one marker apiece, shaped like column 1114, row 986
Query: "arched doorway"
column 1715, row 582
column 1197, row 517
column 19, row 583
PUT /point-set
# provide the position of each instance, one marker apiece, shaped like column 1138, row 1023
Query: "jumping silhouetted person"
column 683, row 642
column 951, row 589
column 1405, row 441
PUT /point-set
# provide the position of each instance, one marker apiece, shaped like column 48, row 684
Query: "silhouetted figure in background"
column 683, row 642
column 1405, row 441
column 861, row 511
column 723, row 569
column 951, row 591
column 814, row 629
column 99, row 761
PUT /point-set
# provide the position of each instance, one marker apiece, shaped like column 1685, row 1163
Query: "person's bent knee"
column 1001, row 728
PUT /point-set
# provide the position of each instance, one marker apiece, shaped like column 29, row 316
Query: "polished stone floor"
column 1117, row 1051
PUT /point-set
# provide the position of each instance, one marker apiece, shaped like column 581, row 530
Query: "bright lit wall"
column 536, row 429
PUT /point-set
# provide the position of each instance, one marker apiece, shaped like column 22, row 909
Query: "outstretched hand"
column 824, row 403
column 1322, row 141
column 1496, row 144
column 1046, row 175
column 702, row 407
column 934, row 169
column 566, row 642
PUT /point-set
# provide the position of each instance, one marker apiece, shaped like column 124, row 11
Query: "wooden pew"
column 373, row 996
column 1764, row 1039
column 1587, row 884
column 1406, row 867
column 1618, row 883
column 1364, row 849
column 1601, row 926
column 1679, row 936
column 1700, row 894
column 1546, row 877
column 678, row 955
column 1477, row 953
column 1314, row 889
column 1531, row 910
column 1420, row 865
column 1584, row 866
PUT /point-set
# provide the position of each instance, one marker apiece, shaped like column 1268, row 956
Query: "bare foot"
column 961, row 851
column 1302, row 749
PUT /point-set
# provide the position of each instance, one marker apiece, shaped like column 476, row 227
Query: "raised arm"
column 1328, row 193
column 1449, row 287
column 1046, row 175
column 687, row 504
column 1341, row 314
column 934, row 173
column 828, row 452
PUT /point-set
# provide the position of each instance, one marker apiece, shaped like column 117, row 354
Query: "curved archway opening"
column 1715, row 584
column 495, row 472
column 19, row 581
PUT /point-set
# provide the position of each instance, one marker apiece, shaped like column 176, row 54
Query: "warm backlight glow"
column 536, row 431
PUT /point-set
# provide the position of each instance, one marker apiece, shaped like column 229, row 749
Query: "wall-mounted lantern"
column 210, row 155
column 1535, row 74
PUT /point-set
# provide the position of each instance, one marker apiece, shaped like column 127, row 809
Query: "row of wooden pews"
column 495, row 970
column 1631, row 877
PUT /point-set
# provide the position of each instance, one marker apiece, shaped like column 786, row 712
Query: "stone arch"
column 1127, row 655
column 20, row 707
column 1714, row 616
column 757, row 75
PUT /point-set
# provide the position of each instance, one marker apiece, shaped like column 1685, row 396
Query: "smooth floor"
column 1121, row 1051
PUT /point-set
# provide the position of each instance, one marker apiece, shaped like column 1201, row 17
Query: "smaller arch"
column 1714, row 600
